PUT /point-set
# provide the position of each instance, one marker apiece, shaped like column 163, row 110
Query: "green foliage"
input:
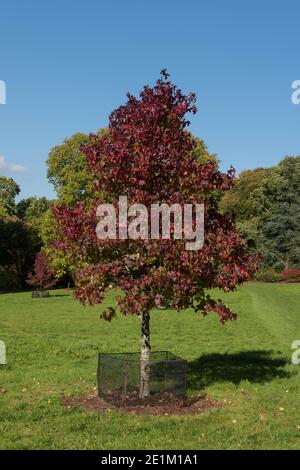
column 266, row 203
column 32, row 208
column 67, row 167
column 250, row 232
column 19, row 244
column 269, row 275
column 241, row 199
column 9, row 189
column 8, row 280
column 67, row 170
column 19, row 239
column 59, row 260
column 200, row 151
column 279, row 200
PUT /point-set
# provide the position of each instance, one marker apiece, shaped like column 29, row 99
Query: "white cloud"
column 11, row 167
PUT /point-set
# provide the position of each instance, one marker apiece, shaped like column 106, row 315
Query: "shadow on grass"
column 254, row 366
column 59, row 295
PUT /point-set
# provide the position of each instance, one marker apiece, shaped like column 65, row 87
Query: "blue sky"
column 68, row 64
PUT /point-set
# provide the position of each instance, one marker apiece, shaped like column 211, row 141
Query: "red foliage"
column 146, row 156
column 291, row 275
column 43, row 277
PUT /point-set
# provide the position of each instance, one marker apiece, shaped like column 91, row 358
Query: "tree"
column 241, row 200
column 19, row 233
column 68, row 172
column 43, row 277
column 32, row 208
column 18, row 247
column 279, row 222
column 200, row 151
column 60, row 261
column 146, row 156
column 265, row 202
column 3, row 212
column 67, row 169
column 9, row 189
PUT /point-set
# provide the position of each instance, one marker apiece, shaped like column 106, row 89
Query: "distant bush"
column 269, row 275
column 8, row 280
column 291, row 275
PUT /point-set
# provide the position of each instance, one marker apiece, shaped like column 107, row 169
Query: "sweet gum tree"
column 147, row 155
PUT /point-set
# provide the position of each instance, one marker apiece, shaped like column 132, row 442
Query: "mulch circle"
column 160, row 404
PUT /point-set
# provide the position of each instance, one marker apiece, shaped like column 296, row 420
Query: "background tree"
column 241, row 199
column 3, row 212
column 19, row 234
column 146, row 155
column 265, row 202
column 18, row 247
column 32, row 211
column 32, row 208
column 60, row 261
column 68, row 172
column 200, row 151
column 279, row 203
column 43, row 276
column 67, row 169
column 9, row 189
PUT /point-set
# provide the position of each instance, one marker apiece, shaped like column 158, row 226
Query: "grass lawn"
column 52, row 347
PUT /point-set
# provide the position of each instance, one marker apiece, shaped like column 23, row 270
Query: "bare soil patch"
column 160, row 404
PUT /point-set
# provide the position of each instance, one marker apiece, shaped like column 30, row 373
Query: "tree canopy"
column 265, row 202
column 43, row 276
column 67, row 169
column 9, row 189
column 146, row 155
column 18, row 247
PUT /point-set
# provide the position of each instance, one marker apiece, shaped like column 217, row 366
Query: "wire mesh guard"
column 119, row 374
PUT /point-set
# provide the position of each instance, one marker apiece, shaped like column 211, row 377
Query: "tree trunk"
column 145, row 355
